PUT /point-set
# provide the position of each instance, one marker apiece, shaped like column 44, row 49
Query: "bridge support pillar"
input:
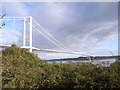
column 24, row 33
column 30, row 34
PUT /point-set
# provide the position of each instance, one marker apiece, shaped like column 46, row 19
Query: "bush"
column 22, row 69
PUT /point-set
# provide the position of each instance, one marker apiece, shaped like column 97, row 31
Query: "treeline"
column 84, row 58
column 22, row 69
column 103, row 57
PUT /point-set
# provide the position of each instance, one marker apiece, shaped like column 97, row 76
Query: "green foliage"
column 118, row 58
column 22, row 69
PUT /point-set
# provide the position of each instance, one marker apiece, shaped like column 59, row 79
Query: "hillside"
column 18, row 65
column 23, row 69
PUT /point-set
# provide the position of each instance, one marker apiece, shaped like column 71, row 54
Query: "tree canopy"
column 23, row 69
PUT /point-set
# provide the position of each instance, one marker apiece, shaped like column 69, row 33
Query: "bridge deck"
column 44, row 50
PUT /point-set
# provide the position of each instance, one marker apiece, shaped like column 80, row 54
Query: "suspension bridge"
column 32, row 36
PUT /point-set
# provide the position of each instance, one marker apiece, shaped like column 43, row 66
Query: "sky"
column 84, row 27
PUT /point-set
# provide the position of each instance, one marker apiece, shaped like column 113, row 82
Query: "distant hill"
column 85, row 58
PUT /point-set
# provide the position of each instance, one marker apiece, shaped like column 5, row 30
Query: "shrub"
column 23, row 69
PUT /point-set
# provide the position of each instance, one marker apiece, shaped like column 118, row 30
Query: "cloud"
column 79, row 23
column 15, row 9
column 79, row 26
column 12, row 31
column 10, row 36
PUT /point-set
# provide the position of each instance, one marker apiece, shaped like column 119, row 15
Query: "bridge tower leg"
column 30, row 34
column 24, row 33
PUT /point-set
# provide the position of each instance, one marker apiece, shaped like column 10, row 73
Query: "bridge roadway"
column 44, row 50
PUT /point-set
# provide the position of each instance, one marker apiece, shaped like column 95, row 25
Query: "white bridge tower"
column 30, row 35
